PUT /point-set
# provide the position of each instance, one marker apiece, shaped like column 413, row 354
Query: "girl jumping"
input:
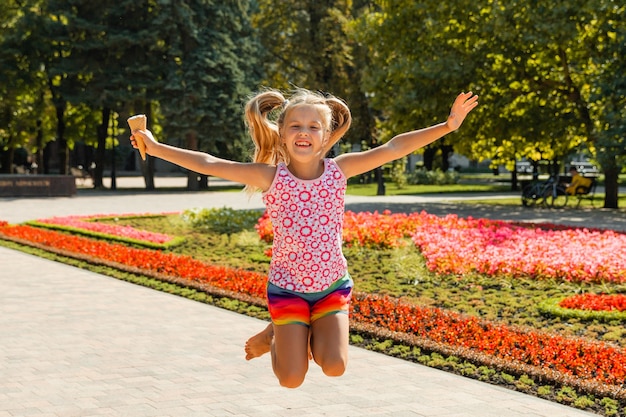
column 309, row 287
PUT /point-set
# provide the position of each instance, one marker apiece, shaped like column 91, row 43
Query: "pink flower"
column 457, row 246
column 89, row 223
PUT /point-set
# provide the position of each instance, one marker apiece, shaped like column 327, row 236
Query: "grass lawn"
column 478, row 185
column 392, row 189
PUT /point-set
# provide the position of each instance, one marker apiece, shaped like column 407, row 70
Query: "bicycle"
column 549, row 193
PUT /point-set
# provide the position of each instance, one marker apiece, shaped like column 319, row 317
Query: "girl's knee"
column 290, row 379
column 333, row 367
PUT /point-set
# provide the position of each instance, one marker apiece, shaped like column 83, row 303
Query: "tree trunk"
column 6, row 160
column 62, row 149
column 446, row 151
column 193, row 184
column 381, row 181
column 611, row 179
column 39, row 144
column 429, row 157
column 514, row 179
column 47, row 155
column 101, row 150
column 147, row 168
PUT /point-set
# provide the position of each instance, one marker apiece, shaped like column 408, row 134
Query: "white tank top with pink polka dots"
column 307, row 218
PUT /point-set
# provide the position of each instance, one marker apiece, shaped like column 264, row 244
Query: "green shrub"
column 486, row 373
column 566, row 395
column 383, row 346
column 435, row 360
column 434, row 177
column 524, row 383
column 509, row 379
column 550, row 307
column 467, row 369
column 610, row 406
column 222, row 220
column 584, row 402
column 398, row 173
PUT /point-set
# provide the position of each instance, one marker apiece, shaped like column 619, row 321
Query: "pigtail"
column 341, row 120
column 263, row 130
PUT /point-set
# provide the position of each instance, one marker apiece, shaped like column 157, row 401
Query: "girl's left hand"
column 464, row 103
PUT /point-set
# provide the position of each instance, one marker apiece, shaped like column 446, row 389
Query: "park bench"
column 586, row 192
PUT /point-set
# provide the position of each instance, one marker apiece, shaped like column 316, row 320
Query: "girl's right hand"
column 147, row 138
column 464, row 103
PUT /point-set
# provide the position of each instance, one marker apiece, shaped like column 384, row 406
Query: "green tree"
column 102, row 45
column 82, row 57
column 545, row 74
column 606, row 40
column 546, row 70
column 420, row 60
column 525, row 79
column 209, row 70
column 311, row 44
column 25, row 119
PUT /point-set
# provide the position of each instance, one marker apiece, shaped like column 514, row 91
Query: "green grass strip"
column 551, row 307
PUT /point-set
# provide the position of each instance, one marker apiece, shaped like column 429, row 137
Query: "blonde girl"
column 309, row 287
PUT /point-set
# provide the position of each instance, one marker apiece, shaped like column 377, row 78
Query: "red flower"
column 595, row 302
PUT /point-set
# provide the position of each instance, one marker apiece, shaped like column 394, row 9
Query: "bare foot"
column 260, row 343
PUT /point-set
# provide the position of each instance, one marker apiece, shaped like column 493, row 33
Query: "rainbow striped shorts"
column 290, row 307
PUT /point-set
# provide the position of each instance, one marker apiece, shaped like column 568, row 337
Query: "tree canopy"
column 541, row 72
column 114, row 58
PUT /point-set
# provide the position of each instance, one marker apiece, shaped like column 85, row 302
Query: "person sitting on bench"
column 578, row 184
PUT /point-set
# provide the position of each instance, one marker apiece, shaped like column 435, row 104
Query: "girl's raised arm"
column 252, row 174
column 401, row 145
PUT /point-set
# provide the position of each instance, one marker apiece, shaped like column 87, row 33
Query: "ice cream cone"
column 139, row 122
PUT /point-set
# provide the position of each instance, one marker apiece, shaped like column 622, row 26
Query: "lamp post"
column 113, row 136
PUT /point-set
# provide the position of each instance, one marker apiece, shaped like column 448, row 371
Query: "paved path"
column 75, row 343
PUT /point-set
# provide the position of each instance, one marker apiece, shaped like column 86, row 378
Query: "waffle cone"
column 139, row 122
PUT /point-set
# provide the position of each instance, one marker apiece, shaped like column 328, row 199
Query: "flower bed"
column 550, row 356
column 380, row 230
column 168, row 264
column 453, row 245
column 88, row 225
column 586, row 360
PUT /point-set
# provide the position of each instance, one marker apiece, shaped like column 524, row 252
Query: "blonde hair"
column 265, row 115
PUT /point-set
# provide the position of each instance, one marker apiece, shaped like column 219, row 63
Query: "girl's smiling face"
column 304, row 133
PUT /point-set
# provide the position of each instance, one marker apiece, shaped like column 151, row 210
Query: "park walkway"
column 75, row 343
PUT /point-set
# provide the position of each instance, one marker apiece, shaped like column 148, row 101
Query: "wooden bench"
column 588, row 193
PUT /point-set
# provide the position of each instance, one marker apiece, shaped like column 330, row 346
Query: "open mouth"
column 303, row 144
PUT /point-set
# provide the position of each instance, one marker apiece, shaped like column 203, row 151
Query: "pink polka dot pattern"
column 307, row 217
